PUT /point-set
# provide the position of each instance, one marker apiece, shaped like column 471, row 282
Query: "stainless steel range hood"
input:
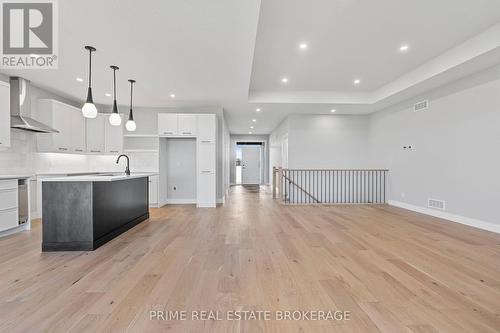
column 20, row 108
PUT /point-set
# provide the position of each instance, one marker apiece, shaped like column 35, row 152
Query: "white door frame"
column 263, row 158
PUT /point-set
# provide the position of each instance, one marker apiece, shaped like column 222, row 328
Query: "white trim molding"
column 181, row 201
column 448, row 216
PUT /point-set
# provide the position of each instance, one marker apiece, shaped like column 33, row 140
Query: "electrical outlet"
column 403, row 194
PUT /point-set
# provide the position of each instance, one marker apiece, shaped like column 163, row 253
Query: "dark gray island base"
column 82, row 215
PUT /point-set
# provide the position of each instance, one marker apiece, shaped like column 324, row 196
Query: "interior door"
column 250, row 165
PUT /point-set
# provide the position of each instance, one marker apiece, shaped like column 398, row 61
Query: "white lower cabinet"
column 153, row 191
column 206, row 180
column 9, row 217
column 206, row 190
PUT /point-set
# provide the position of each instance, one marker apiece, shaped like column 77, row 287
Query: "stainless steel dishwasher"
column 23, row 200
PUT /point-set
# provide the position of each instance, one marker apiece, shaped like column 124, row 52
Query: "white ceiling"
column 233, row 53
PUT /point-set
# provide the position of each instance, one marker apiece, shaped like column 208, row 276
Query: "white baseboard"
column 22, row 227
column 181, row 201
column 206, row 205
column 448, row 216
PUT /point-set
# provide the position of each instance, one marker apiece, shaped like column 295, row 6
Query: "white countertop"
column 98, row 177
column 21, row 176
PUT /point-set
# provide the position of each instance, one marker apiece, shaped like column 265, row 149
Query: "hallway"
column 392, row 270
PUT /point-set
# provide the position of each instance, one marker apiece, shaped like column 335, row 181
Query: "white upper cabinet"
column 207, row 128
column 95, row 134
column 70, row 123
column 167, row 124
column 102, row 137
column 4, row 115
column 186, row 124
column 77, row 134
column 172, row 124
column 113, row 138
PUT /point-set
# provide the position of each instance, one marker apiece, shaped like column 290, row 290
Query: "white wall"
column 456, row 156
column 277, row 146
column 265, row 158
column 328, row 141
column 324, row 141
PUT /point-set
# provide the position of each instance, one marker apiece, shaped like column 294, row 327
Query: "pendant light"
column 114, row 118
column 130, row 125
column 89, row 110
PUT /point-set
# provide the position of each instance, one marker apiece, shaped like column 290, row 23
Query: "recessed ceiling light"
column 357, row 81
column 332, row 110
column 107, row 94
column 404, row 48
column 258, row 110
column 249, row 132
column 251, row 127
column 172, row 95
column 284, row 80
column 79, row 79
column 254, row 120
column 303, row 46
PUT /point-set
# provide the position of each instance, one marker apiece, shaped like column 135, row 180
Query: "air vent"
column 420, row 106
column 436, row 204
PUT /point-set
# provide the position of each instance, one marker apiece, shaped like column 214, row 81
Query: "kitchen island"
column 81, row 213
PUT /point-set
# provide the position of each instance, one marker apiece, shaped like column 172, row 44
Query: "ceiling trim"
column 481, row 46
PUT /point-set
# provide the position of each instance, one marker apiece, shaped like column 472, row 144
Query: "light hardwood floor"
column 394, row 270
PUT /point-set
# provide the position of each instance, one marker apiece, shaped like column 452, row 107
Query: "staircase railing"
column 330, row 186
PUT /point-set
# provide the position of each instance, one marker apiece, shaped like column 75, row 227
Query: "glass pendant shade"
column 130, row 125
column 88, row 109
column 115, row 119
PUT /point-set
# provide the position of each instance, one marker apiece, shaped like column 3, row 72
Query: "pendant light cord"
column 114, row 82
column 131, row 85
column 90, row 67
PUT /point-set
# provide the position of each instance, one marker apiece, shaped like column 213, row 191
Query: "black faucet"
column 127, row 170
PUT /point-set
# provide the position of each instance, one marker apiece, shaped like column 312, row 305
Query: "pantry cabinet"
column 203, row 127
column 206, row 124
